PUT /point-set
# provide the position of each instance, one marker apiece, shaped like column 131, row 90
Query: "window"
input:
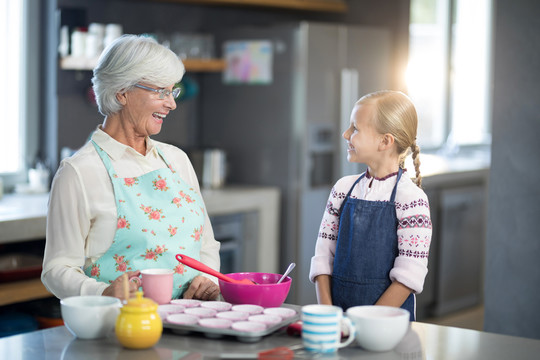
column 10, row 78
column 448, row 72
column 19, row 87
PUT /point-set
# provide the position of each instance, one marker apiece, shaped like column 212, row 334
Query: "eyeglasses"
column 163, row 93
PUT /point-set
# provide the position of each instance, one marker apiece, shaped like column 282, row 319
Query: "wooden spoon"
column 125, row 283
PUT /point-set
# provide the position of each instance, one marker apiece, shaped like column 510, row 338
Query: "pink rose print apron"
column 158, row 216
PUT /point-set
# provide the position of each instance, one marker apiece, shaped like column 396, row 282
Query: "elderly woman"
column 125, row 202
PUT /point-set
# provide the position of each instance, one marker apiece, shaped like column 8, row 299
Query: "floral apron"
column 366, row 248
column 158, row 216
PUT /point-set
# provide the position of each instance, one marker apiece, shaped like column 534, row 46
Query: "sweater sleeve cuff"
column 320, row 265
column 410, row 273
column 93, row 287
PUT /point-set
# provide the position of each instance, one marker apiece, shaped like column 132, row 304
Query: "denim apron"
column 158, row 216
column 365, row 251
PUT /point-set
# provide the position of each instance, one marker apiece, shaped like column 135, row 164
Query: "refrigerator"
column 282, row 126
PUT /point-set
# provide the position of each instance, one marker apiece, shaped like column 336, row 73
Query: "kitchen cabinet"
column 461, row 247
column 458, row 212
column 22, row 219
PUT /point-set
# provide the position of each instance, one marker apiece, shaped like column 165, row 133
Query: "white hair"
column 128, row 60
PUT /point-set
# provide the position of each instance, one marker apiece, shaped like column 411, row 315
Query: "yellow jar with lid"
column 139, row 326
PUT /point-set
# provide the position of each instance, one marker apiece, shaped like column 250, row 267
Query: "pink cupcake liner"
column 233, row 315
column 182, row 319
column 201, row 312
column 248, row 326
column 265, row 319
column 217, row 305
column 215, row 323
column 282, row 312
column 188, row 303
column 247, row 308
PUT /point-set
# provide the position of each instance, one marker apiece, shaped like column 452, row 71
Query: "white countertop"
column 23, row 217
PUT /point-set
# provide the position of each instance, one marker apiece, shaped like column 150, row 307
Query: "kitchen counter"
column 23, row 217
column 423, row 341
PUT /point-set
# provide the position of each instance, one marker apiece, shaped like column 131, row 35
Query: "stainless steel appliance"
column 287, row 132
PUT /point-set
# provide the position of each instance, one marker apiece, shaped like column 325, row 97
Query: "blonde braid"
column 416, row 161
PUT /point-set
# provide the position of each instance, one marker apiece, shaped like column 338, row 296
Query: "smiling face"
column 144, row 112
column 362, row 138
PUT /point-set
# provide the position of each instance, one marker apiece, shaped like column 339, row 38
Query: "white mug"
column 321, row 328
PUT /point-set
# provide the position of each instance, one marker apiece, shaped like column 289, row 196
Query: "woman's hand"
column 116, row 289
column 202, row 288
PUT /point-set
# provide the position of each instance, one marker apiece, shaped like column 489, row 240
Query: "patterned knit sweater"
column 413, row 231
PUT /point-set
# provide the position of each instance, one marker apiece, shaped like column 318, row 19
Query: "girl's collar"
column 369, row 176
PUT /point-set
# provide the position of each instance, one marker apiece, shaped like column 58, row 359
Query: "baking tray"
column 14, row 267
column 239, row 335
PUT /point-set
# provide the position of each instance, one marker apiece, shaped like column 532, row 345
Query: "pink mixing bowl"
column 266, row 293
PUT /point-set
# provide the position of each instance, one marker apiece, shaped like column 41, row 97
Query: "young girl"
column 374, row 237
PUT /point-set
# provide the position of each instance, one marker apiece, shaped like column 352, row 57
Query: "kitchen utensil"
column 88, row 316
column 241, row 328
column 379, row 328
column 157, row 284
column 281, row 353
column 267, row 293
column 186, row 260
column 289, row 269
column 139, row 325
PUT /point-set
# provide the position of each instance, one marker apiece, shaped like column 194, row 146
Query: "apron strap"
column 393, row 196
column 106, row 160
column 349, row 193
column 164, row 158
column 108, row 164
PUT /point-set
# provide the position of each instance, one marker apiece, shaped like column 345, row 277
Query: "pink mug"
column 157, row 284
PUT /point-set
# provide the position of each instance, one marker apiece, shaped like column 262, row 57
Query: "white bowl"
column 90, row 317
column 379, row 328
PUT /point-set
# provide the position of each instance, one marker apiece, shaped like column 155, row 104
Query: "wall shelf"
column 192, row 65
column 204, row 65
column 309, row 5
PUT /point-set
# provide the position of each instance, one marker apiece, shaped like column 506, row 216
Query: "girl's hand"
column 117, row 287
column 202, row 288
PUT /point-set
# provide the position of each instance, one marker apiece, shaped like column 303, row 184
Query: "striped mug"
column 321, row 328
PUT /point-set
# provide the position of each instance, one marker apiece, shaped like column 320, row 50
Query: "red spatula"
column 186, row 260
